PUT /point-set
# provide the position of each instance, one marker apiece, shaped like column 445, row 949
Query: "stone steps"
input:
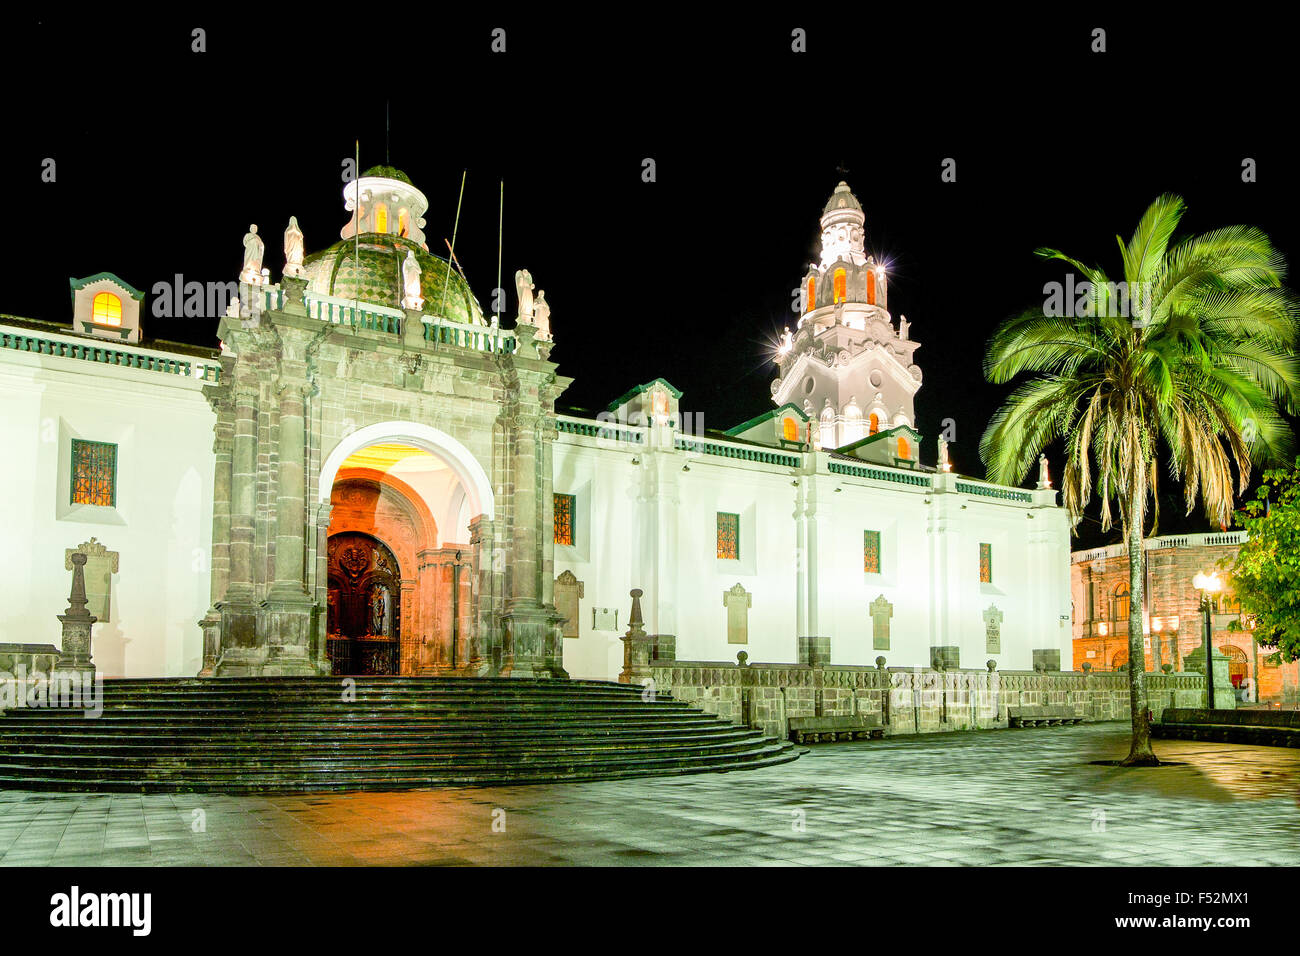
column 253, row 735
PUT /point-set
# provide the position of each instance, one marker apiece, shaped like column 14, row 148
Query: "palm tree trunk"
column 1140, row 753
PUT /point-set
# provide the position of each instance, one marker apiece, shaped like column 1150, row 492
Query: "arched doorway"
column 1238, row 663
column 363, row 621
column 424, row 498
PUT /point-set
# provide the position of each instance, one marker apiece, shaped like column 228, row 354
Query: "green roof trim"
column 766, row 416
column 883, row 433
column 389, row 172
column 79, row 284
column 675, row 392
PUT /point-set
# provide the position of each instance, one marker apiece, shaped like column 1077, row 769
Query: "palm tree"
column 1193, row 350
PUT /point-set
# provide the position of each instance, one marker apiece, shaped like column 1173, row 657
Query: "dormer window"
column 789, row 429
column 106, row 309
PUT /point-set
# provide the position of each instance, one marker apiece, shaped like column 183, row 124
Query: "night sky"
column 164, row 156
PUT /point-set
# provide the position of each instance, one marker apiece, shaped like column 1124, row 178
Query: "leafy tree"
column 1193, row 350
column 1265, row 574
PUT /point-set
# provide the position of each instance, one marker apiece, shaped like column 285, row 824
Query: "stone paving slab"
column 1022, row 797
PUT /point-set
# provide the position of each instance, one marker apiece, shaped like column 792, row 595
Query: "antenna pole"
column 451, row 248
column 501, row 217
column 356, row 237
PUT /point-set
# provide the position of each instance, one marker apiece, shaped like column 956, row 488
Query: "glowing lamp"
column 1209, row 583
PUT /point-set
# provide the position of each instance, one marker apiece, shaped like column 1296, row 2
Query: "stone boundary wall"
column 907, row 700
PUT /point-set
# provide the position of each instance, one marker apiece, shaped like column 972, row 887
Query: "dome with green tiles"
column 378, row 281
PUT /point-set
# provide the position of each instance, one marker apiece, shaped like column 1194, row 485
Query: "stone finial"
column 742, row 658
column 880, row 663
column 992, row 665
column 1167, row 668
column 1040, row 667
column 76, row 622
column 1086, row 667
column 636, row 621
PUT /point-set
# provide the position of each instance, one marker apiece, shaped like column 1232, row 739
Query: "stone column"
column 482, row 637
column 239, row 631
column 286, row 619
column 527, row 622
column 320, row 639
column 220, row 553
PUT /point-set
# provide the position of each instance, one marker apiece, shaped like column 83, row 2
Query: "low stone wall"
column 907, row 700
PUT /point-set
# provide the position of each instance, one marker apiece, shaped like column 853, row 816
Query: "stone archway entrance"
column 396, row 505
column 364, row 606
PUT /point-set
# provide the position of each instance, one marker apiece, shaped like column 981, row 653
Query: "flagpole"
column 451, row 248
column 356, row 236
column 501, row 216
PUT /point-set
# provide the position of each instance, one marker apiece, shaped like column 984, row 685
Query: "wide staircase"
column 251, row 735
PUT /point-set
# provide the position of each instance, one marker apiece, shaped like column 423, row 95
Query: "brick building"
column 1099, row 585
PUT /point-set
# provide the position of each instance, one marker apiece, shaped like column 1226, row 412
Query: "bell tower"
column 849, row 365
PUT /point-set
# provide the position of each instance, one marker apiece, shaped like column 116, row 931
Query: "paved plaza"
column 986, row 797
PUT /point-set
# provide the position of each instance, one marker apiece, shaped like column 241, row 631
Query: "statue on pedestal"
column 253, row 249
column 411, row 271
column 1044, row 481
column 524, row 286
column 944, row 464
column 542, row 316
column 293, row 248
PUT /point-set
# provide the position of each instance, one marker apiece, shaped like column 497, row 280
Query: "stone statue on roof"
column 412, row 298
column 524, row 286
column 293, row 248
column 253, row 249
column 542, row 315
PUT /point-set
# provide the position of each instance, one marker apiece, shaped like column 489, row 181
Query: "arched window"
column 871, row 287
column 875, row 423
column 812, row 295
column 381, row 218
column 841, row 285
column 789, row 429
column 1120, row 603
column 106, row 309
column 828, row 428
column 904, row 449
column 403, row 223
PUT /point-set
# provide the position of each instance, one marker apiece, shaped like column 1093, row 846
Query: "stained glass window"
column 563, row 511
column 94, row 473
column 986, row 564
column 871, row 552
column 728, row 536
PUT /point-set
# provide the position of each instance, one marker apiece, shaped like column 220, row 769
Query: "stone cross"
column 101, row 565
column 568, row 592
column 881, row 612
column 992, row 630
column 737, row 601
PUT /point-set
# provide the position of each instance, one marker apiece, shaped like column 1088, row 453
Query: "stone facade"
column 1099, row 580
column 907, row 700
column 295, row 393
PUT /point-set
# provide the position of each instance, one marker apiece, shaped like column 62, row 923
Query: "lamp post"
column 1208, row 584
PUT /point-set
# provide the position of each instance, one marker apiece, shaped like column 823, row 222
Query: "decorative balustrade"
column 603, row 431
column 1213, row 539
column 92, row 351
column 477, row 338
column 993, row 491
column 880, row 474
column 357, row 315
column 738, row 452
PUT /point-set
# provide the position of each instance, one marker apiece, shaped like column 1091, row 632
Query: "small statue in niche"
column 379, row 611
column 253, row 249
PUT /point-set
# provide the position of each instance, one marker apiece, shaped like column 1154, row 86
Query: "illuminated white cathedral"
column 364, row 474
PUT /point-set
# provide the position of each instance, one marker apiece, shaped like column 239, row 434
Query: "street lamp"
column 1208, row 584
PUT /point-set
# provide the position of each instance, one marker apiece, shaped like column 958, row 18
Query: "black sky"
column 164, row 156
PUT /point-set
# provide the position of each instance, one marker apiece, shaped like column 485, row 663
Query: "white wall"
column 161, row 525
column 930, row 542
